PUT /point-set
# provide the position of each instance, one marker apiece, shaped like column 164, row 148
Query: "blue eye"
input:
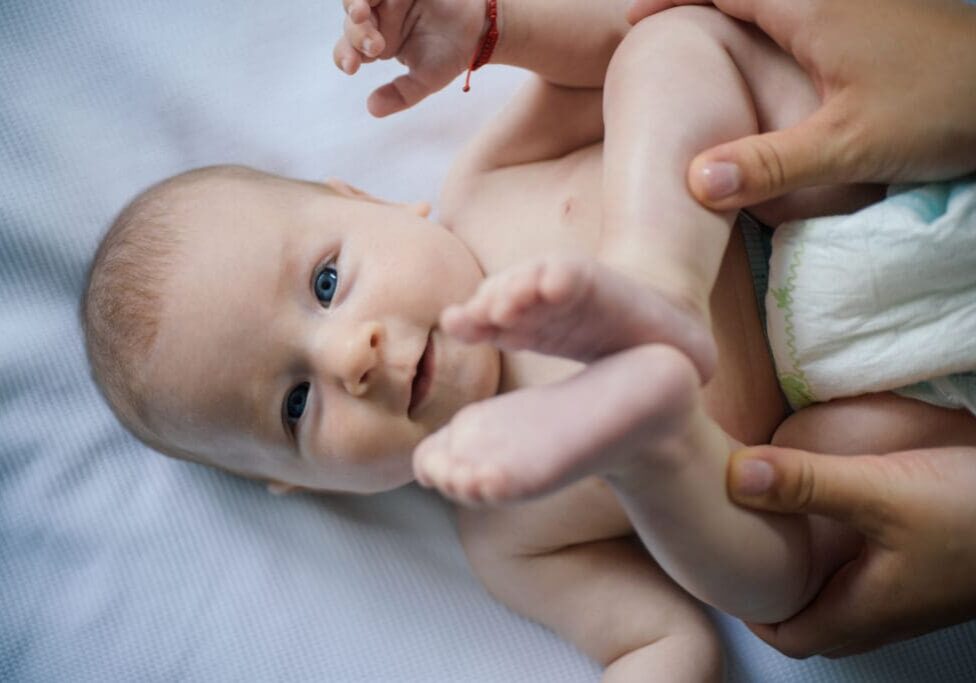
column 325, row 285
column 295, row 403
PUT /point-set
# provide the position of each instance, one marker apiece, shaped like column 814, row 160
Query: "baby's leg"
column 791, row 557
column 532, row 441
column 666, row 466
column 570, row 307
column 671, row 90
column 568, row 562
column 635, row 417
column 680, row 82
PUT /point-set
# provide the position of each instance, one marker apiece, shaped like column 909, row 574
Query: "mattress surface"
column 118, row 564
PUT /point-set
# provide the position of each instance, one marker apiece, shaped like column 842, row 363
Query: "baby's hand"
column 434, row 39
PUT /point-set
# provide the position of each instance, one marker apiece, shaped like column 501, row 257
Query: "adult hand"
column 917, row 513
column 434, row 39
column 896, row 80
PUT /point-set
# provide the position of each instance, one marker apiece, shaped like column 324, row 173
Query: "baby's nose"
column 355, row 355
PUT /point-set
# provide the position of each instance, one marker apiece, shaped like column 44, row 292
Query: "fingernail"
column 752, row 477
column 368, row 47
column 347, row 65
column 720, row 179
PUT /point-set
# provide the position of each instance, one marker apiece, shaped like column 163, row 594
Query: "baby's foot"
column 579, row 309
column 527, row 443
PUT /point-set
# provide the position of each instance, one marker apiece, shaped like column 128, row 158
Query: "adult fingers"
column 856, row 490
column 757, row 168
column 842, row 618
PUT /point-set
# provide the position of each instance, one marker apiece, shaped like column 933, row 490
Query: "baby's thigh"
column 870, row 424
column 782, row 92
column 877, row 424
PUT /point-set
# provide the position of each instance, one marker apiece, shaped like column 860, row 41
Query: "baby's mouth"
column 423, row 377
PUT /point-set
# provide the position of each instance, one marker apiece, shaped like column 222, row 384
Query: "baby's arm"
column 567, row 43
column 567, row 563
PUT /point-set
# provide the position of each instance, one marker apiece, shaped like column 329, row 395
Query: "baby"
column 311, row 336
column 685, row 81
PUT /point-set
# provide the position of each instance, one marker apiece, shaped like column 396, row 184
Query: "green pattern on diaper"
column 794, row 384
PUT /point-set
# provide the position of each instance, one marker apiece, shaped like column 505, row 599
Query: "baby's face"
column 298, row 338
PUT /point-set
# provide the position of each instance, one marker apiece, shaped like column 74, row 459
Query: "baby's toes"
column 455, row 322
column 563, row 281
column 431, row 464
column 495, row 485
column 512, row 296
column 478, row 308
column 467, row 483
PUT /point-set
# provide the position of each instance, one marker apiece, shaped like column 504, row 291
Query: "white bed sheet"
column 117, row 564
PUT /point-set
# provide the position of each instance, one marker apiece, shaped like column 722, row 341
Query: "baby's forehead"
column 222, row 192
column 230, row 214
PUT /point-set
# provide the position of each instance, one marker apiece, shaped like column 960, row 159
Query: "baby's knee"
column 676, row 43
column 676, row 28
column 874, row 423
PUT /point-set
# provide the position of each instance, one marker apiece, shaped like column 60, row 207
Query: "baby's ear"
column 277, row 488
column 344, row 189
column 422, row 209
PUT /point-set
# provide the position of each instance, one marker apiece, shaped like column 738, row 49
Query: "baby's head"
column 281, row 329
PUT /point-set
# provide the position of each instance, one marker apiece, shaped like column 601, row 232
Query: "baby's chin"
column 280, row 488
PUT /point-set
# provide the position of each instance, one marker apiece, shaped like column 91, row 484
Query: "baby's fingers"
column 402, row 93
column 360, row 10
column 346, row 57
column 364, row 37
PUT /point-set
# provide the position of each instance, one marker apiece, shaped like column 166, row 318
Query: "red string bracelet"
column 487, row 45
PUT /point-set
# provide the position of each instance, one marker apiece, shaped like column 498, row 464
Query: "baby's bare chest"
column 522, row 212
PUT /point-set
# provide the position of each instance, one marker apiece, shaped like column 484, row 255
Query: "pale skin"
column 914, row 507
column 869, row 126
column 917, row 514
column 484, row 457
column 532, row 179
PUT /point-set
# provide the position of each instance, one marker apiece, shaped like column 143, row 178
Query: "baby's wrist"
column 474, row 26
column 486, row 42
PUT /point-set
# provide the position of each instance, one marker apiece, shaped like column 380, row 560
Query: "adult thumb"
column 850, row 489
column 756, row 168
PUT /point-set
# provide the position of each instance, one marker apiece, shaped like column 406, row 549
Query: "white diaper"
column 882, row 299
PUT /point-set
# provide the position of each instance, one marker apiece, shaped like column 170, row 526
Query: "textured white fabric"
column 117, row 564
column 879, row 299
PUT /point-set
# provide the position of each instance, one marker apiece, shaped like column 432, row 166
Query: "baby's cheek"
column 368, row 437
